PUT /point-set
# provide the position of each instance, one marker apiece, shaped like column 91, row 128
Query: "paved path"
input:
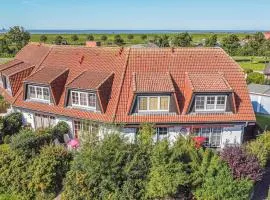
column 262, row 187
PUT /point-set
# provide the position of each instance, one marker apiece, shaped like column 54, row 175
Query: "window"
column 39, row 93
column 153, row 103
column 210, row 103
column 212, row 135
column 82, row 127
column 44, row 121
column 162, row 133
column 83, row 99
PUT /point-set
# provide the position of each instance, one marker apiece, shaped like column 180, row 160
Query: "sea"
column 37, row 31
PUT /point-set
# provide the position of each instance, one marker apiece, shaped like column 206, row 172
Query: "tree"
column 4, row 48
column 104, row 38
column 182, row 40
column 58, row 40
column 118, row 40
column 231, row 44
column 43, row 38
column 211, row 41
column 18, row 36
column 143, row 37
column 130, row 36
column 74, row 38
column 259, row 37
column 59, row 130
column 90, row 37
column 162, row 41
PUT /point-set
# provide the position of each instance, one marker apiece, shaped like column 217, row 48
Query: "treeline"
column 13, row 41
column 113, row 168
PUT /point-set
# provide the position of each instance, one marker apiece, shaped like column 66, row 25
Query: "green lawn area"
column 248, row 62
column 263, row 121
column 4, row 60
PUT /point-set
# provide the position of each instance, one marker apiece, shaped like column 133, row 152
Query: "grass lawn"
column 4, row 60
column 263, row 121
column 256, row 63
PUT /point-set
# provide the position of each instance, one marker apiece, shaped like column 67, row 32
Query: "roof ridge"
column 121, row 84
column 17, row 63
column 30, row 66
column 225, row 80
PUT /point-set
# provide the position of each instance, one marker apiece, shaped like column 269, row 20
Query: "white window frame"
column 42, row 93
column 215, row 104
column 148, row 104
column 51, row 120
column 158, row 138
column 209, row 142
column 87, row 100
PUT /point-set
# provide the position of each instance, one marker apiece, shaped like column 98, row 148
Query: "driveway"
column 262, row 187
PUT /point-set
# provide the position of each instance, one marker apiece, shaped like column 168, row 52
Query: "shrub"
column 3, row 105
column 118, row 40
column 46, row 182
column 74, row 38
column 90, row 37
column 260, row 148
column 13, row 176
column 43, row 38
column 166, row 175
column 29, row 143
column 247, row 71
column 242, row 164
column 109, row 169
column 218, row 183
column 12, row 123
column 255, row 77
column 59, row 130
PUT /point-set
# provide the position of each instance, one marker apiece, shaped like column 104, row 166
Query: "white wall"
column 231, row 135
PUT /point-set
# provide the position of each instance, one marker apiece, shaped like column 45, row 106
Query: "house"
column 267, row 35
column 198, row 91
column 260, row 97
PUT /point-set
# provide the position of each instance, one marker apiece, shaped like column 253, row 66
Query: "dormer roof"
column 208, row 82
column 46, row 75
column 152, row 82
column 89, row 80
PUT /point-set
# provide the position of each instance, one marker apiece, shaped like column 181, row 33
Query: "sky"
column 136, row 14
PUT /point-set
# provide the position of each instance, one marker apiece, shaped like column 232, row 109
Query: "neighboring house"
column 267, row 35
column 260, row 97
column 199, row 91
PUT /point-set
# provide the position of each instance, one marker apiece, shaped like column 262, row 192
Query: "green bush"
column 48, row 170
column 59, row 130
column 13, row 173
column 247, row 71
column 29, row 143
column 12, row 124
column 255, row 77
column 260, row 148
column 218, row 183
column 8, row 197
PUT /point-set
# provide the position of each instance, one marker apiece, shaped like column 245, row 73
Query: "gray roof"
column 259, row 89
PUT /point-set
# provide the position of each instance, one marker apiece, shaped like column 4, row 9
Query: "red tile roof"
column 46, row 75
column 10, row 64
column 124, row 62
column 152, row 82
column 20, row 66
column 89, row 80
column 208, row 82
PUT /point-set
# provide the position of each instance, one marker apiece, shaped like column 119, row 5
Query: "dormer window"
column 83, row 99
column 210, row 103
column 153, row 103
column 39, row 93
